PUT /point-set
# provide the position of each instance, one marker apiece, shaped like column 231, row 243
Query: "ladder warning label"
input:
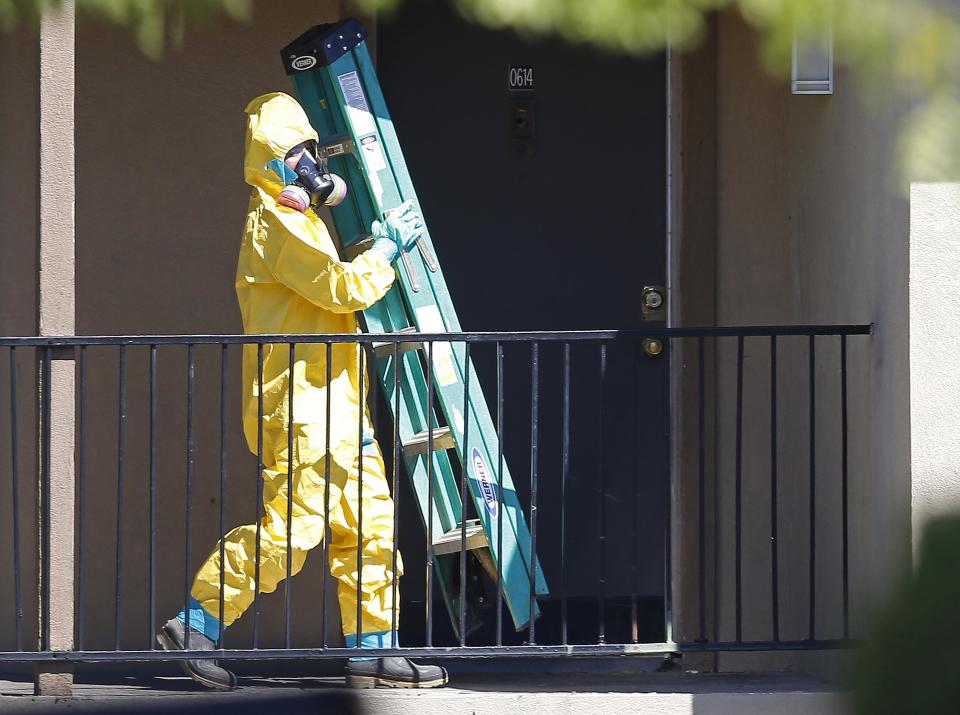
column 488, row 489
column 429, row 320
column 358, row 111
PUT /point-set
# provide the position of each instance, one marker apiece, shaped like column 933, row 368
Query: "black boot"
column 394, row 673
column 172, row 636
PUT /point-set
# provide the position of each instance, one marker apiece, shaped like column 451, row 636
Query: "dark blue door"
column 547, row 208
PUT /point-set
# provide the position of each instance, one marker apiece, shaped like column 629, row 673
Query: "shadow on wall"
column 18, row 136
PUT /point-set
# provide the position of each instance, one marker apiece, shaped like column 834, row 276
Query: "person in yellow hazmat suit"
column 291, row 280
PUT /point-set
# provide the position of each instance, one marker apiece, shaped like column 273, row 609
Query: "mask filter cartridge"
column 308, row 182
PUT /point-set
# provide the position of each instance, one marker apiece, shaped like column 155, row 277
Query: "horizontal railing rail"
column 708, row 568
column 456, row 337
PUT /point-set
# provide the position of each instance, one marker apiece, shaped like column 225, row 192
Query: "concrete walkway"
column 653, row 693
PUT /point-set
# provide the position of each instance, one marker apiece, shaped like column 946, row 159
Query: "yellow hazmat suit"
column 290, row 280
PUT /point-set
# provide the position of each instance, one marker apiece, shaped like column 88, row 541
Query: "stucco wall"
column 160, row 206
column 809, row 225
column 693, row 243
column 812, row 227
column 18, row 316
column 792, row 216
column 18, row 142
column 934, row 368
column 160, row 209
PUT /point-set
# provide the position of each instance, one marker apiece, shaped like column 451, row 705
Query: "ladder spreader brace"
column 335, row 81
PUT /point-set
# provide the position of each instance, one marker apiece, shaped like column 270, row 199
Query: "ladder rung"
column 386, row 349
column 449, row 543
column 420, row 442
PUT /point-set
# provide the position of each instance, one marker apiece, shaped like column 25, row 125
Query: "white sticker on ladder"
column 358, row 111
column 458, row 420
column 373, row 153
column 429, row 320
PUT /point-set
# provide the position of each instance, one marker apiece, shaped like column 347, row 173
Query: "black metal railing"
column 153, row 408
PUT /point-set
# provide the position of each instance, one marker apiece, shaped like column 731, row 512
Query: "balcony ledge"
column 654, row 693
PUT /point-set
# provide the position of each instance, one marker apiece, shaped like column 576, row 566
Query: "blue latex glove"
column 398, row 232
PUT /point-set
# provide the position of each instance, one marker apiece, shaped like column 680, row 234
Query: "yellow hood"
column 275, row 124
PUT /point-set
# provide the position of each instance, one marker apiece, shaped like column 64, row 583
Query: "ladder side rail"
column 517, row 549
column 450, row 395
column 388, row 315
column 425, row 304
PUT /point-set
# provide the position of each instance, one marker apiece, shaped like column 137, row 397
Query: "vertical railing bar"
column 500, row 399
column 465, row 462
column 45, row 418
column 286, row 583
column 152, row 495
column 189, row 495
column 121, row 439
column 738, row 495
column 326, row 497
column 258, row 502
column 813, row 488
column 223, row 484
column 15, row 503
column 429, row 569
column 361, row 412
column 602, row 595
column 81, row 498
column 667, row 506
column 845, row 485
column 564, row 475
column 702, row 492
column 774, row 499
column 635, row 524
column 534, row 428
column 397, row 362
column 373, row 401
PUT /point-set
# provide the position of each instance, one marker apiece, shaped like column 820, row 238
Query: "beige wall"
column 787, row 213
column 811, row 227
column 160, row 210
column 18, row 180
column 693, row 245
column 160, row 207
column 18, row 316
column 934, row 360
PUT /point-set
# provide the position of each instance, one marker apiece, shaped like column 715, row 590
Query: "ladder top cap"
column 322, row 45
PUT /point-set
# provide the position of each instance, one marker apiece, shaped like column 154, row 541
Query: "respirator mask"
column 307, row 180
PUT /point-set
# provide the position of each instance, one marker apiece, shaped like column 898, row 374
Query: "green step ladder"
column 335, row 81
